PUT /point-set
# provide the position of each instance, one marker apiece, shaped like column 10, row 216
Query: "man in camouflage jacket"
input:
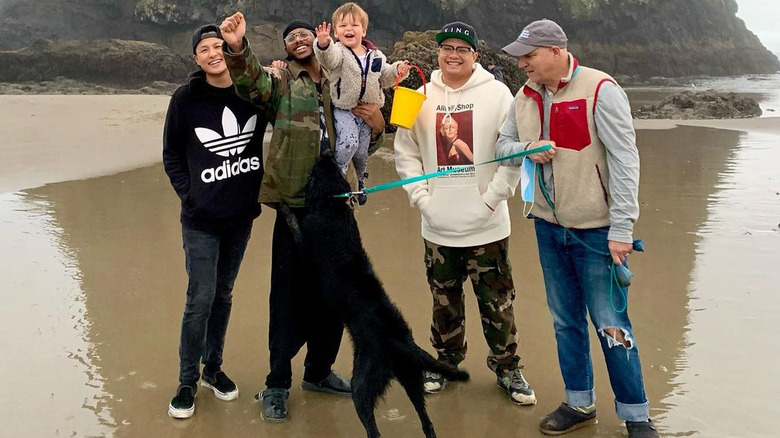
column 296, row 100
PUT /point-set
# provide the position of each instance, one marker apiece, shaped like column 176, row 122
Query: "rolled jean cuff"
column 580, row 398
column 635, row 412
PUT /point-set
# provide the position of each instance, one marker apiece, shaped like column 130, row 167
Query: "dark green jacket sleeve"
column 263, row 87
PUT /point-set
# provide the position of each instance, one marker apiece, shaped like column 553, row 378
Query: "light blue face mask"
column 527, row 180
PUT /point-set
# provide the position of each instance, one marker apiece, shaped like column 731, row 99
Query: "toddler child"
column 358, row 71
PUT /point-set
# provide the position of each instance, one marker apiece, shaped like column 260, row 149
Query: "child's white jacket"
column 344, row 72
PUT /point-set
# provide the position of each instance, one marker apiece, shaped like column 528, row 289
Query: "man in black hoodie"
column 212, row 152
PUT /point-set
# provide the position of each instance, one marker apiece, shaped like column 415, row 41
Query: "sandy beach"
column 93, row 277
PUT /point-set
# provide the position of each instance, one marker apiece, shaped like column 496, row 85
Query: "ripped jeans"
column 577, row 281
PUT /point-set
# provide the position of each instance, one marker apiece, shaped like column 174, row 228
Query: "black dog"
column 383, row 344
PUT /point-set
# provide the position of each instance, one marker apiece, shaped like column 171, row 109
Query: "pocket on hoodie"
column 454, row 210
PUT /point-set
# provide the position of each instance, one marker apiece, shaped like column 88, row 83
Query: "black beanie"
column 206, row 31
column 296, row 24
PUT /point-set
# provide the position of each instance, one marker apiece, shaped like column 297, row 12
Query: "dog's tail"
column 427, row 362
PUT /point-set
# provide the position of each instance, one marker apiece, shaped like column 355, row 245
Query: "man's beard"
column 303, row 61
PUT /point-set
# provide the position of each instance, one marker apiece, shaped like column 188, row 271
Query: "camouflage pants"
column 491, row 276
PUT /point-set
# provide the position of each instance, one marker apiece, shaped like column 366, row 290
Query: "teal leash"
column 426, row 176
column 638, row 245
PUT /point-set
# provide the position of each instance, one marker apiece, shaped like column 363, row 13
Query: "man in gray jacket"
column 585, row 203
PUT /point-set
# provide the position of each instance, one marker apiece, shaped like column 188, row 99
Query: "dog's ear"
column 325, row 153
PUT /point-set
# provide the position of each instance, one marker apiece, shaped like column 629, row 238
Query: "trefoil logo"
column 233, row 142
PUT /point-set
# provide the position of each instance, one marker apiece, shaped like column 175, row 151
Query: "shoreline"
column 56, row 138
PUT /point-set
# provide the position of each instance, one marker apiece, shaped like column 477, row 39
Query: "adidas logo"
column 235, row 139
column 232, row 143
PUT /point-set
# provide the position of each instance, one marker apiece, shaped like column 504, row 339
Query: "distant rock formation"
column 126, row 64
column 646, row 38
column 701, row 105
column 62, row 85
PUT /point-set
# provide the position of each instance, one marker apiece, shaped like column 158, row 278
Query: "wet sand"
column 94, row 286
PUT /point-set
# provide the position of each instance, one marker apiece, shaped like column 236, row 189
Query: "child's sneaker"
column 220, row 383
column 183, row 403
column 362, row 198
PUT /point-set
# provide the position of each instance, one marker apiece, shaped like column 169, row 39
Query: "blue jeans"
column 212, row 261
column 577, row 281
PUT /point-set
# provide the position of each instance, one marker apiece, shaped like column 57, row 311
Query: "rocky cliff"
column 624, row 37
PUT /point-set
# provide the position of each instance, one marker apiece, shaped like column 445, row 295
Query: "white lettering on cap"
column 458, row 30
column 524, row 34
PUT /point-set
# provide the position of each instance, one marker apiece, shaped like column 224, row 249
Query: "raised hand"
column 233, row 29
column 323, row 34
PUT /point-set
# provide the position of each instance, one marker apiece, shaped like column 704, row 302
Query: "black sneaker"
column 517, row 387
column 641, row 429
column 333, row 384
column 433, row 382
column 220, row 383
column 183, row 403
column 566, row 419
column 274, row 404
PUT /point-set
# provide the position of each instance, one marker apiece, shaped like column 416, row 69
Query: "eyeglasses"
column 448, row 49
column 303, row 34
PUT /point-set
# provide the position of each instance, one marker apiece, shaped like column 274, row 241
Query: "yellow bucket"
column 407, row 103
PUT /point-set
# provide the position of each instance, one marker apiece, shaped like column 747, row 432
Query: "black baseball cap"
column 296, row 24
column 459, row 30
column 206, row 31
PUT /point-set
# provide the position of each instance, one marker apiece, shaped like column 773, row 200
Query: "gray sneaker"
column 566, row 419
column 517, row 387
column 641, row 429
column 433, row 382
column 333, row 384
column 274, row 407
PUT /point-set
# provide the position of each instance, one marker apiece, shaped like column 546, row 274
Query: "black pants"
column 297, row 312
column 212, row 261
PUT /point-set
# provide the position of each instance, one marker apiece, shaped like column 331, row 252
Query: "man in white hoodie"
column 465, row 218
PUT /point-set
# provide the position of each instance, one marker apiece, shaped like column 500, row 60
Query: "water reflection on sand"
column 93, row 271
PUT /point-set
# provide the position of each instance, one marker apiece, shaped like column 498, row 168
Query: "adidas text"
column 228, row 169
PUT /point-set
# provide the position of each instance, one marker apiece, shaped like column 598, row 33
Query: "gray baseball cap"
column 540, row 33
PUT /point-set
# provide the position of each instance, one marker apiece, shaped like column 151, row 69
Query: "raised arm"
column 328, row 54
column 252, row 82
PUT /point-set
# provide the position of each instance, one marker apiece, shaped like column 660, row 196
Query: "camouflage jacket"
column 289, row 99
